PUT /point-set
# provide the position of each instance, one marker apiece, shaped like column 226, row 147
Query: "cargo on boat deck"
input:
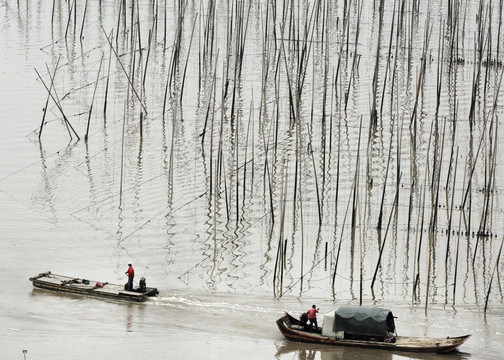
column 360, row 322
column 80, row 286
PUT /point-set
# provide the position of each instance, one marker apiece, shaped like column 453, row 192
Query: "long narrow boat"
column 367, row 327
column 79, row 286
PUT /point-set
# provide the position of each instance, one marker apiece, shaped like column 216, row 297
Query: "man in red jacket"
column 131, row 274
column 312, row 316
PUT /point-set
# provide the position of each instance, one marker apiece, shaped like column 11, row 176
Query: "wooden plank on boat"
column 68, row 284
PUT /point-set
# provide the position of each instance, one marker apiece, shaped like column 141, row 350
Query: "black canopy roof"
column 364, row 320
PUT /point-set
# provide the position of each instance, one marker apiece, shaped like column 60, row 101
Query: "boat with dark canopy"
column 363, row 327
column 68, row 284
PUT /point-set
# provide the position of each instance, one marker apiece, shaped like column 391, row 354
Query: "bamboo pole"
column 69, row 18
column 357, row 168
column 310, row 151
column 125, row 72
column 380, row 216
column 187, row 60
column 108, row 78
column 451, row 208
column 493, row 273
column 354, row 184
column 58, row 105
column 461, row 209
column 83, row 21
column 394, row 205
column 92, row 100
column 48, row 97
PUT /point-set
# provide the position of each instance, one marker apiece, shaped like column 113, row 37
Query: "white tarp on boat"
column 328, row 325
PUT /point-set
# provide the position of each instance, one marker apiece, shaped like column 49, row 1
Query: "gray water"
column 209, row 240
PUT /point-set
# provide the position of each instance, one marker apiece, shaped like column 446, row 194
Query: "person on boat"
column 304, row 321
column 131, row 274
column 390, row 338
column 312, row 316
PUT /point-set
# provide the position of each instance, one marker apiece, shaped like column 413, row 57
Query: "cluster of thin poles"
column 323, row 40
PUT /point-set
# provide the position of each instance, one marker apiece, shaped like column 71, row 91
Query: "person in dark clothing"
column 131, row 274
column 312, row 316
column 304, row 320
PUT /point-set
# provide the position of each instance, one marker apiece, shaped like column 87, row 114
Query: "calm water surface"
column 246, row 156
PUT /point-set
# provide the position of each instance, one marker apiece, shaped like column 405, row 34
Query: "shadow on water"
column 309, row 351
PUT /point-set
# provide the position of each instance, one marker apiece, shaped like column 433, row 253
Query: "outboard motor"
column 143, row 285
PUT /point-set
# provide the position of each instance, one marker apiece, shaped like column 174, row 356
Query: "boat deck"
column 401, row 341
column 68, row 284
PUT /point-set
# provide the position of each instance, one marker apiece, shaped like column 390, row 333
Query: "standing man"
column 131, row 274
column 312, row 316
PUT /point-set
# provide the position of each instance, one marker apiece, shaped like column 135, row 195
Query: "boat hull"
column 78, row 286
column 292, row 329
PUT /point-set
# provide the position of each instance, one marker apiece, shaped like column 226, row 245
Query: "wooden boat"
column 68, row 284
column 363, row 327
